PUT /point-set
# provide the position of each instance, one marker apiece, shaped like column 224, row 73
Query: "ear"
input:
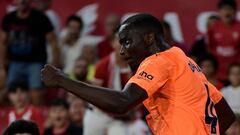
column 149, row 38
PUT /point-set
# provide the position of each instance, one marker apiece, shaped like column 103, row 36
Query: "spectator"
column 232, row 95
column 169, row 38
column 72, row 43
column 22, row 109
column 209, row 66
column 111, row 72
column 59, row 116
column 79, row 73
column 45, row 7
column 77, row 109
column 27, row 31
column 232, row 92
column 104, row 48
column 80, row 70
column 199, row 47
column 224, row 37
column 89, row 53
column 22, row 127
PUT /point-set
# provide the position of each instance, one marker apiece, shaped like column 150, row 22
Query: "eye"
column 127, row 43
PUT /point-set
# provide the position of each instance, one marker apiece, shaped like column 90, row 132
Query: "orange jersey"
column 180, row 99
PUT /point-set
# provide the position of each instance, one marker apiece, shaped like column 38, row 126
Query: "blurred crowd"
column 31, row 37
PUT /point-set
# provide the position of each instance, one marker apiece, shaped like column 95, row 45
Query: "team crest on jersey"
column 146, row 75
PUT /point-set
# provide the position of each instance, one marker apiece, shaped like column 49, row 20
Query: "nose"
column 122, row 50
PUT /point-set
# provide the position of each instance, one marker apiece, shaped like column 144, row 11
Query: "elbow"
column 120, row 107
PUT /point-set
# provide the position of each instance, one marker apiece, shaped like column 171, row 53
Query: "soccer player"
column 172, row 87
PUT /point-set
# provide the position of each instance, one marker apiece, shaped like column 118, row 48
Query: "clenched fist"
column 51, row 76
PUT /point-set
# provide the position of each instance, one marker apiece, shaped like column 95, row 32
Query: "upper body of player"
column 178, row 96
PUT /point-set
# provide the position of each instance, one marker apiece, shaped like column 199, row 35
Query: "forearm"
column 51, row 37
column 55, row 54
column 3, row 38
column 106, row 99
column 2, row 55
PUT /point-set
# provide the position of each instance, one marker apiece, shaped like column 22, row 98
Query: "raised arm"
column 225, row 115
column 107, row 99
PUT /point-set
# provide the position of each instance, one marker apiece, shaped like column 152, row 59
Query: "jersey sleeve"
column 46, row 25
column 215, row 94
column 151, row 75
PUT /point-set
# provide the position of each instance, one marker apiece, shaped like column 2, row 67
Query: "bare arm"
column 3, row 47
column 225, row 115
column 107, row 99
column 51, row 38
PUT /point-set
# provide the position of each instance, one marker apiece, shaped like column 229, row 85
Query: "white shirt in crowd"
column 232, row 96
column 69, row 54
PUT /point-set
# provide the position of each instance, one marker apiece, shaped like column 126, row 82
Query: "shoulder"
column 226, row 89
column 48, row 131
column 216, row 25
column 9, row 15
column 38, row 14
column 73, row 128
column 104, row 41
column 236, row 23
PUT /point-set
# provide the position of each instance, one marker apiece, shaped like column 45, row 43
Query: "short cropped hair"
column 147, row 21
column 231, row 3
column 75, row 18
column 166, row 25
column 22, row 126
column 14, row 85
column 59, row 103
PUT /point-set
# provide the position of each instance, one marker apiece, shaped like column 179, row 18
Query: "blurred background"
column 80, row 37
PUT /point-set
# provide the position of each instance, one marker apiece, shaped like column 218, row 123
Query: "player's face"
column 234, row 76
column 133, row 48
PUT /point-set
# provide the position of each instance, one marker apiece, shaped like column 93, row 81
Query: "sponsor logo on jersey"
column 146, row 75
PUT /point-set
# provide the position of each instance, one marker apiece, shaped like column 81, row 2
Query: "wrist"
column 60, row 79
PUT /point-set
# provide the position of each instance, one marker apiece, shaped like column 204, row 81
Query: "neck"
column 235, row 85
column 23, row 13
column 58, row 130
column 72, row 40
column 159, row 48
column 20, row 109
column 228, row 23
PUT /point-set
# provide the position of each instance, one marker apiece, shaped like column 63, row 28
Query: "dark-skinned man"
column 172, row 87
